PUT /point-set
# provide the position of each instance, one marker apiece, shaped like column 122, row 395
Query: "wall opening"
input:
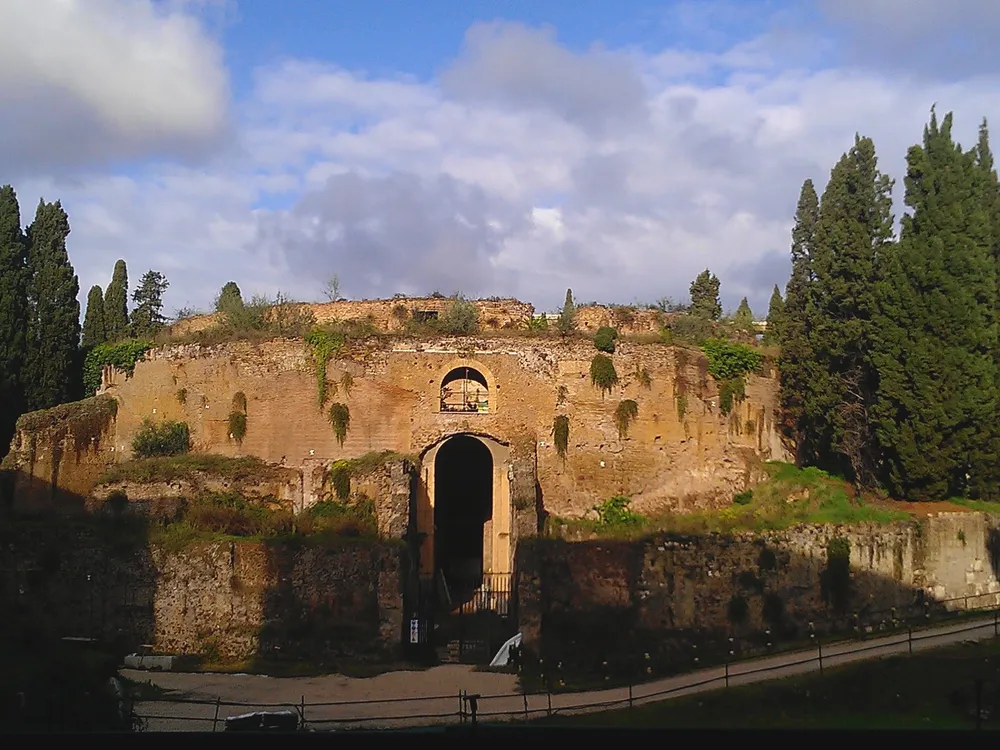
column 465, row 389
column 463, row 509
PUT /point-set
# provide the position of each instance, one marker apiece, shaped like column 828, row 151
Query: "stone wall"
column 666, row 593
column 234, row 600
column 681, row 454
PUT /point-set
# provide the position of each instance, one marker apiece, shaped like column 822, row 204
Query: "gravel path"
column 430, row 697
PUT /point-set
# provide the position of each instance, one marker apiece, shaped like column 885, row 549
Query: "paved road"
column 431, row 697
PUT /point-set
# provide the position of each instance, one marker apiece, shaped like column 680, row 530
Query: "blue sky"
column 490, row 148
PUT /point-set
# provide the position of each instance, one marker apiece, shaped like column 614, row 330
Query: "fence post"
column 461, row 707
column 996, row 624
column 909, row 638
column 819, row 647
column 630, row 692
column 727, row 672
column 215, row 721
column 302, row 713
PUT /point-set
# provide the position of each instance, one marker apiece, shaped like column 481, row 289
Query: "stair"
column 451, row 653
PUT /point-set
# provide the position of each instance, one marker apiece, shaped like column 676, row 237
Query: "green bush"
column 340, row 420
column 560, row 434
column 460, row 317
column 625, row 414
column 615, row 511
column 123, row 355
column 238, row 425
column 728, row 360
column 323, row 343
column 732, row 392
column 605, row 338
column 603, row 374
column 743, row 498
column 691, row 328
column 164, row 439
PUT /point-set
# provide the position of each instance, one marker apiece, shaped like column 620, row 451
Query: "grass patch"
column 928, row 691
column 789, row 497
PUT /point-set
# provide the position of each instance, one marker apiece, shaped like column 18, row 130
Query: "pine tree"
column 52, row 370
column 936, row 333
column 796, row 364
column 229, row 298
column 775, row 313
column 567, row 316
column 705, row 296
column 853, row 232
column 93, row 322
column 743, row 319
column 147, row 317
column 13, row 313
column 116, row 304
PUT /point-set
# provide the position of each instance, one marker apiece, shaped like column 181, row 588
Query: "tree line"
column 42, row 344
column 890, row 346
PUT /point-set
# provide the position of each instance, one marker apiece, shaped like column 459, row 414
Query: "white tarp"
column 503, row 655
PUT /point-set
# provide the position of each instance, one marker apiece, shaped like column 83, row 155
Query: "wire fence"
column 178, row 714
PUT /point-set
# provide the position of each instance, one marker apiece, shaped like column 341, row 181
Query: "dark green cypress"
column 936, row 337
column 230, row 299
column 116, row 304
column 13, row 313
column 52, row 371
column 743, row 318
column 796, row 364
column 775, row 317
column 93, row 322
column 853, row 233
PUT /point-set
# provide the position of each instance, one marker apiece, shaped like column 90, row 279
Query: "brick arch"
column 458, row 363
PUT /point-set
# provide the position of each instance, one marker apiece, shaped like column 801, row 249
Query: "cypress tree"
column 116, row 304
column 229, row 298
column 705, row 296
column 796, row 363
column 936, row 336
column 147, row 317
column 567, row 319
column 13, row 313
column 93, row 321
column 853, row 232
column 775, row 313
column 52, row 370
column 743, row 319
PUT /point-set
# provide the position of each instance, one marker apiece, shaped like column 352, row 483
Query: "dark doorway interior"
column 463, row 502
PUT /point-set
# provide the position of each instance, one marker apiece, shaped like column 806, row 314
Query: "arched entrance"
column 463, row 513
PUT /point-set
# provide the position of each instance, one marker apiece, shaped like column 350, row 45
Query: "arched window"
column 464, row 389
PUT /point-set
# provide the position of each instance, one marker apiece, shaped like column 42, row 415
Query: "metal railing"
column 170, row 713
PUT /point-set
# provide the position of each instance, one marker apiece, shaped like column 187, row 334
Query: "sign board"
column 414, row 631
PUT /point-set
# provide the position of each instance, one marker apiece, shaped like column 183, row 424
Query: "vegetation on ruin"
column 238, row 417
column 731, row 392
column 681, row 406
column 560, row 434
column 643, row 377
column 123, row 355
column 728, row 360
column 339, row 474
column 461, row 317
column 169, row 469
column 615, row 513
column 87, row 419
column 340, row 419
column 928, row 690
column 626, row 413
column 167, row 438
column 603, row 374
column 604, row 339
column 346, row 518
column 789, row 497
column 323, row 344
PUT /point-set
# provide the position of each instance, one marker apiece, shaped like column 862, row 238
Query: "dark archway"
column 463, row 503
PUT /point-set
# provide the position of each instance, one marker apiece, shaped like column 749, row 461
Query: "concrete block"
column 146, row 661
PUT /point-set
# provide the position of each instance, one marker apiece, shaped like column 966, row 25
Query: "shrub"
column 643, row 377
column 560, row 434
column 615, row 511
column 238, row 426
column 339, row 477
column 603, row 374
column 743, row 498
column 340, row 420
column 623, row 315
column 727, row 360
column 240, row 401
column 182, row 396
column 691, row 328
column 625, row 414
column 164, row 439
column 117, row 502
column 400, row 312
column 122, row 355
column 538, row 324
column 732, row 391
column 604, row 340
column 460, row 317
column 681, row 407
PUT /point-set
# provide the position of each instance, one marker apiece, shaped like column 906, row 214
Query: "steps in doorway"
column 465, row 652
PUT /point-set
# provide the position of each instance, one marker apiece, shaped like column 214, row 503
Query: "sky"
column 507, row 148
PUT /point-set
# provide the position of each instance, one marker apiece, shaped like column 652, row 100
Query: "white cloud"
column 85, row 81
column 620, row 176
